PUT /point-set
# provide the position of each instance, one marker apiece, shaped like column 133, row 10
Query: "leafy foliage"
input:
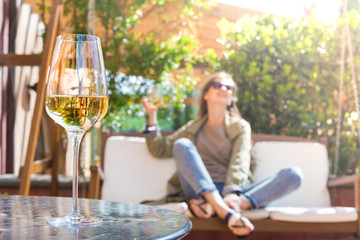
column 151, row 56
column 287, row 73
column 287, row 70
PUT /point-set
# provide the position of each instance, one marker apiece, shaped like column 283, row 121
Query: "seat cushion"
column 180, row 207
column 325, row 214
column 310, row 157
column 290, row 214
column 256, row 214
column 132, row 174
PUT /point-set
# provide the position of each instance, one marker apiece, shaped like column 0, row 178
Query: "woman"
column 212, row 155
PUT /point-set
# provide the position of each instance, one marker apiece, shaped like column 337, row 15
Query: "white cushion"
column 180, row 207
column 325, row 214
column 310, row 157
column 132, row 174
column 256, row 214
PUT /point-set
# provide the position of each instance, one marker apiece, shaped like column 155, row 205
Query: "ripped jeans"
column 195, row 179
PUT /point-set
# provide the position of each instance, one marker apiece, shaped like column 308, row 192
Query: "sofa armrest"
column 351, row 179
column 343, row 180
column 96, row 179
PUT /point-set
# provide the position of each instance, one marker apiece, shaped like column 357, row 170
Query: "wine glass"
column 76, row 98
column 155, row 95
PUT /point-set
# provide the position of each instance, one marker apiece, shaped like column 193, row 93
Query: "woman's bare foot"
column 245, row 204
column 200, row 208
column 236, row 202
column 239, row 225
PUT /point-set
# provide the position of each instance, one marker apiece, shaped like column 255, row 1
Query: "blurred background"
column 295, row 64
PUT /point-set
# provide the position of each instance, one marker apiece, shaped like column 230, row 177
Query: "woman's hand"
column 233, row 201
column 151, row 111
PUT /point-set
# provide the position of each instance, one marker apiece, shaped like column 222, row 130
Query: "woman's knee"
column 181, row 145
column 293, row 175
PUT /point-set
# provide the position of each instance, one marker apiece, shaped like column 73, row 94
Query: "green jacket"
column 239, row 133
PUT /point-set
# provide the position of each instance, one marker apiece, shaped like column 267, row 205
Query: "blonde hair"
column 203, row 104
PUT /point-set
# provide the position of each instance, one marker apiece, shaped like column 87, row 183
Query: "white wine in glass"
column 76, row 98
column 155, row 96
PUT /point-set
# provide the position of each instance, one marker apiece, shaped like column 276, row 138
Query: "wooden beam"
column 343, row 180
column 24, row 188
column 56, row 136
column 97, row 176
column 41, row 165
column 20, row 60
column 357, row 204
column 268, row 225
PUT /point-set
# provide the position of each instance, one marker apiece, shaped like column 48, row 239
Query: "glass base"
column 71, row 222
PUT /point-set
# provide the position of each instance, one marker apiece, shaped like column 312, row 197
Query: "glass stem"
column 75, row 138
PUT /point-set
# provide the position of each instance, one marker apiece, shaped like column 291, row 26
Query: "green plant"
column 287, row 72
column 136, row 58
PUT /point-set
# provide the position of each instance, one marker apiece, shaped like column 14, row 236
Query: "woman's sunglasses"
column 218, row 85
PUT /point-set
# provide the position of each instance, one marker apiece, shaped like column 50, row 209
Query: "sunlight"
column 325, row 10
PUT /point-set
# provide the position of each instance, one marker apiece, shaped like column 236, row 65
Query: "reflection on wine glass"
column 76, row 98
column 155, row 96
column 75, row 233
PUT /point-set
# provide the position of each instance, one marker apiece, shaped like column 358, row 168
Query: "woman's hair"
column 207, row 84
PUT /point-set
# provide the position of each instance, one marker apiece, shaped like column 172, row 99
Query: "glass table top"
column 24, row 217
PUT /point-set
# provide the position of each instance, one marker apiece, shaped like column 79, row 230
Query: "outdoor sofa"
column 131, row 174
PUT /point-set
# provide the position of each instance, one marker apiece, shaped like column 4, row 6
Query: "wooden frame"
column 43, row 61
column 264, row 225
column 29, row 167
column 20, row 60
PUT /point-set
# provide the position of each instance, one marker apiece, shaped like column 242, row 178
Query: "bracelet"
column 237, row 192
column 149, row 129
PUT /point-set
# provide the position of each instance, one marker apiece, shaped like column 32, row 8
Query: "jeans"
column 195, row 179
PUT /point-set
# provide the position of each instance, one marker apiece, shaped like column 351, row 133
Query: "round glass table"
column 24, row 217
